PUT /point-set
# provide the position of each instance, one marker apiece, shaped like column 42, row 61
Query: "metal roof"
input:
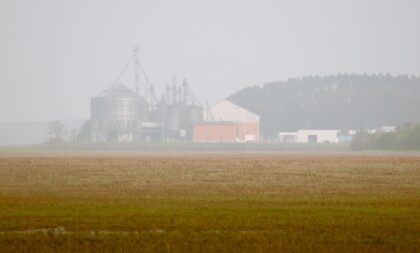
column 118, row 91
column 228, row 111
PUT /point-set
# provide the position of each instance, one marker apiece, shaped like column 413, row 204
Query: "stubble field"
column 210, row 203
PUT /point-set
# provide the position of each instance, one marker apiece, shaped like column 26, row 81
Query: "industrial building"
column 227, row 122
column 316, row 136
column 121, row 114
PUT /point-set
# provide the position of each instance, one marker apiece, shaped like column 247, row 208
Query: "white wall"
column 322, row 135
column 290, row 137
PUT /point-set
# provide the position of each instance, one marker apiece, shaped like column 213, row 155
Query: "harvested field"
column 210, row 203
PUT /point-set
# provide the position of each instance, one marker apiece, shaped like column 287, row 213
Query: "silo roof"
column 117, row 91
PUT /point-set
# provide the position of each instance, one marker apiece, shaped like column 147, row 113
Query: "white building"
column 315, row 136
column 288, row 137
column 384, row 129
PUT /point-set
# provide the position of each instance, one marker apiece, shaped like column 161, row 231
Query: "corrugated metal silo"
column 117, row 109
column 173, row 119
column 117, row 104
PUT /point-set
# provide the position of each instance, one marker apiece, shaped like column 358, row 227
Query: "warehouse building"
column 227, row 122
column 316, row 136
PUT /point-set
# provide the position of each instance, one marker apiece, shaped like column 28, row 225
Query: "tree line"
column 344, row 101
column 406, row 137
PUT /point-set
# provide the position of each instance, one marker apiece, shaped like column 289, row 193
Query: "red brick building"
column 227, row 122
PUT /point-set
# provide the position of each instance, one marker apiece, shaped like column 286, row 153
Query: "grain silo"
column 116, row 114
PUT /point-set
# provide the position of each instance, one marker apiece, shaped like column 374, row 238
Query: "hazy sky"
column 55, row 55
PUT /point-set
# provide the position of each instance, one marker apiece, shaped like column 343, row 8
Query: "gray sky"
column 55, row 54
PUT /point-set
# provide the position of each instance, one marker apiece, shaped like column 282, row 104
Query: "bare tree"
column 56, row 132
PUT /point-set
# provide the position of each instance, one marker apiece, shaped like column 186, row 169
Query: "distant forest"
column 333, row 102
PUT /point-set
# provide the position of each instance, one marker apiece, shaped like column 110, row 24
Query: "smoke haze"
column 56, row 55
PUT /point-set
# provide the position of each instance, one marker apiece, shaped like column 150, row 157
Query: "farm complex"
column 122, row 114
column 125, row 115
